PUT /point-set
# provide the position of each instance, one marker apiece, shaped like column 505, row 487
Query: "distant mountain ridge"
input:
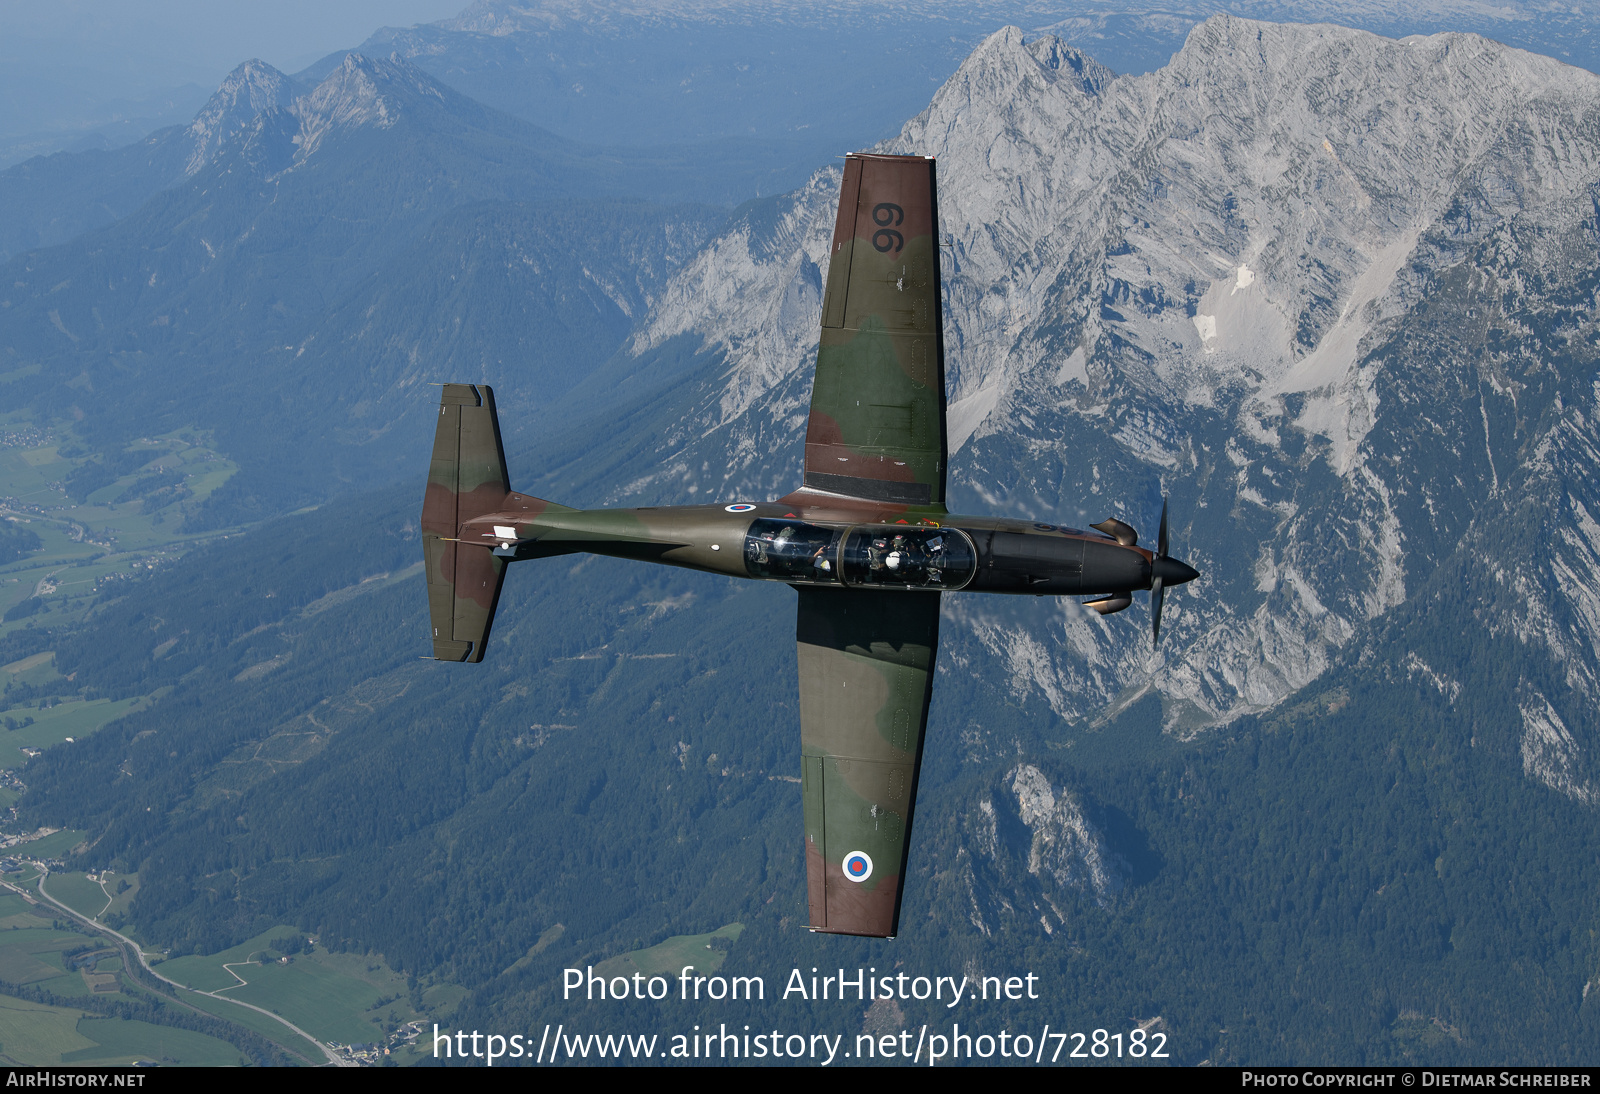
column 679, row 70
column 294, row 212
column 50, row 200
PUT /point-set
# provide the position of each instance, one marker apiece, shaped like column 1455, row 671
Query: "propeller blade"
column 1161, row 536
column 1157, row 595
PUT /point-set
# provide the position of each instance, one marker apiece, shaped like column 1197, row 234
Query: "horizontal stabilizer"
column 466, row 479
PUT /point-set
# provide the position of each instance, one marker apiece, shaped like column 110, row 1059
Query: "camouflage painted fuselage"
column 866, row 541
column 1006, row 556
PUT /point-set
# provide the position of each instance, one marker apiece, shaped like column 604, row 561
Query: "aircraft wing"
column 876, row 434
column 877, row 424
column 866, row 671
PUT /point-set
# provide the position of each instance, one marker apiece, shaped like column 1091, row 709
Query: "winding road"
column 138, row 951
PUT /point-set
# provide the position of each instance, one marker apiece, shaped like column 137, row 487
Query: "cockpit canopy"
column 792, row 550
column 889, row 556
column 908, row 557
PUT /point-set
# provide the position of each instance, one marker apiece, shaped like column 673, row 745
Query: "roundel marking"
column 858, row 866
column 742, row 507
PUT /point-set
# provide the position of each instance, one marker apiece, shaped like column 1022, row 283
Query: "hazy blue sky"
column 206, row 34
column 67, row 63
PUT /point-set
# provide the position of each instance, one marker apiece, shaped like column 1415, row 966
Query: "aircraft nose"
column 1173, row 572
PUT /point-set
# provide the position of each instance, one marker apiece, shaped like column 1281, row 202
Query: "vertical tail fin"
column 466, row 479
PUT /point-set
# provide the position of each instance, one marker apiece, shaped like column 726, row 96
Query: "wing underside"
column 866, row 670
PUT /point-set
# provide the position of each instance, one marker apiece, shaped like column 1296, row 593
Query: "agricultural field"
column 120, row 897
column 264, row 1024
column 119, row 1040
column 36, row 1035
column 344, row 998
column 208, row 972
column 61, row 722
column 71, row 529
column 32, row 948
column 32, row 953
column 54, row 845
column 73, row 526
column 706, row 952
column 77, row 892
column 40, row 668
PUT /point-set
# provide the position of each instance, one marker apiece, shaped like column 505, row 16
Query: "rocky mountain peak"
column 363, row 91
column 1065, row 846
column 1056, row 56
column 498, row 18
column 252, row 89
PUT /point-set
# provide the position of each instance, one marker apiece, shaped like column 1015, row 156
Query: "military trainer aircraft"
column 866, row 541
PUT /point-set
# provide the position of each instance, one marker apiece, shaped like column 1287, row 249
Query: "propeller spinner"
column 1164, row 570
